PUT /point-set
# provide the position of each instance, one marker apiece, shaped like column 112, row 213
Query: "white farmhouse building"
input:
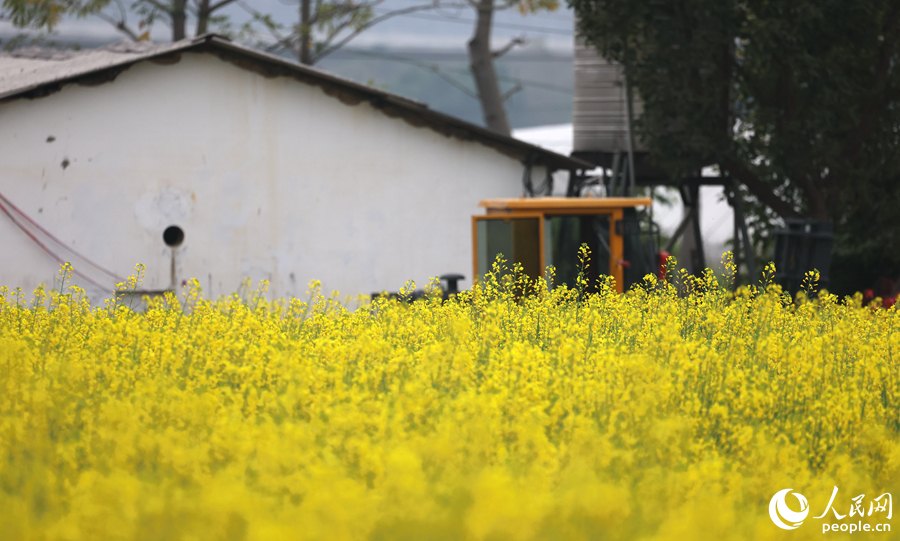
column 207, row 159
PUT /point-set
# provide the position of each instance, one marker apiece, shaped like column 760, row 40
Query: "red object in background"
column 868, row 296
column 663, row 256
column 887, row 290
column 883, row 292
column 884, row 287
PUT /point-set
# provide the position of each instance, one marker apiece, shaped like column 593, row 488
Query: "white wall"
column 269, row 178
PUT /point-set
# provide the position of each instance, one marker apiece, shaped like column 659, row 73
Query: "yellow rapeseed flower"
column 515, row 410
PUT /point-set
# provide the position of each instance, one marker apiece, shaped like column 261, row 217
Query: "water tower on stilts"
column 605, row 109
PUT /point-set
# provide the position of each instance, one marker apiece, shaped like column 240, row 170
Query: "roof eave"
column 412, row 111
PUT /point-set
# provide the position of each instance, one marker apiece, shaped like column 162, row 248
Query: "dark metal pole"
column 678, row 231
column 736, row 242
column 613, row 185
column 699, row 261
column 630, row 187
column 739, row 218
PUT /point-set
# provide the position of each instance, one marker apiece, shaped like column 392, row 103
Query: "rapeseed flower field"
column 675, row 411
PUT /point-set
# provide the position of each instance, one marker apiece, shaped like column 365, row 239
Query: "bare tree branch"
column 119, row 25
column 335, row 46
column 160, row 6
column 759, row 188
column 509, row 93
column 453, row 82
column 218, row 5
column 123, row 12
column 506, row 48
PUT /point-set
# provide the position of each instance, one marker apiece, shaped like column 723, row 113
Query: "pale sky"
column 447, row 28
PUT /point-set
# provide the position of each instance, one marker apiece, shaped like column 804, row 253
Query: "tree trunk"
column 817, row 201
column 203, row 18
column 179, row 20
column 305, row 34
column 482, row 64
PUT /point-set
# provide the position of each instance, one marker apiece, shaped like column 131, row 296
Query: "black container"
column 802, row 246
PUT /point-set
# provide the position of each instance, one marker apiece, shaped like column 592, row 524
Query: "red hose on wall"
column 20, row 219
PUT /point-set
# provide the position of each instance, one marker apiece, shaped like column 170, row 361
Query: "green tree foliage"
column 797, row 99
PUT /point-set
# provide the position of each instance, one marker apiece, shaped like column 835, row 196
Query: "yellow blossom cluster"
column 514, row 411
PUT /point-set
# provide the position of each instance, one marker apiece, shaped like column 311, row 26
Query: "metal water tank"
column 600, row 113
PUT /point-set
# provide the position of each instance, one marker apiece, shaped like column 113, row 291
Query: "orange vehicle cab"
column 544, row 231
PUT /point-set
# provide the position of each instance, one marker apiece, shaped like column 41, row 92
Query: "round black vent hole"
column 173, row 236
